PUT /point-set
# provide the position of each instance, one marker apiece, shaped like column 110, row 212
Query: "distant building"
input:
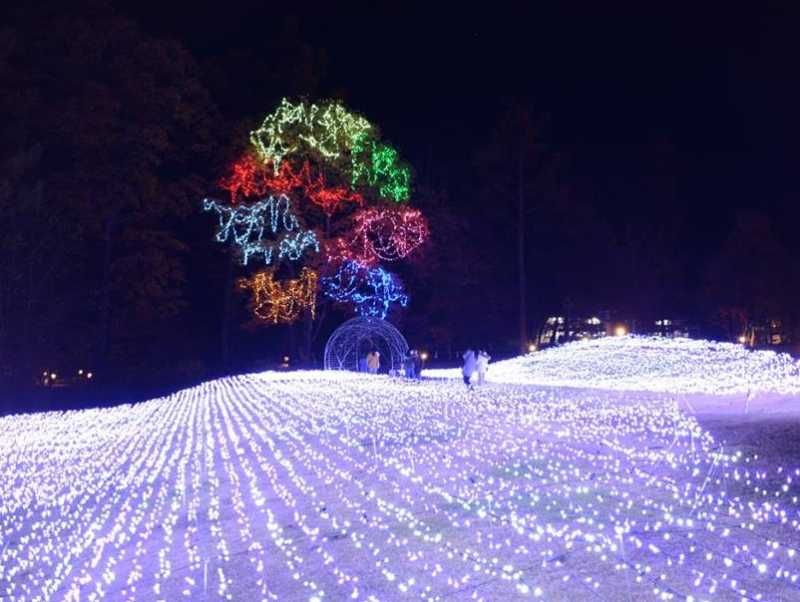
column 769, row 333
column 557, row 330
column 668, row 327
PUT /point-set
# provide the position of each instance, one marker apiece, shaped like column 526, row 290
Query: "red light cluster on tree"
column 249, row 177
column 327, row 197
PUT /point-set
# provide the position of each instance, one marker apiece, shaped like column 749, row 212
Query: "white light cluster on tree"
column 334, row 486
column 635, row 363
column 247, row 225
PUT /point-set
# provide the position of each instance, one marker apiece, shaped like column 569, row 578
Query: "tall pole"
column 225, row 325
column 523, row 311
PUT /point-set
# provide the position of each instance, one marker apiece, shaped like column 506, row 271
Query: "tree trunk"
column 27, row 331
column 226, row 315
column 306, row 352
column 5, row 361
column 104, row 346
column 523, row 310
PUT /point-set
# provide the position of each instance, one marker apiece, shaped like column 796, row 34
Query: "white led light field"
column 336, row 486
column 636, row 363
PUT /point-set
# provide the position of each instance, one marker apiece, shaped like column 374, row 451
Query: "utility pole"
column 523, row 310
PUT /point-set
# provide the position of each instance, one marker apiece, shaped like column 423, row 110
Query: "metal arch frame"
column 351, row 340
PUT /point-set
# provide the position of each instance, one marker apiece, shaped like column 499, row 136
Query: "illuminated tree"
column 319, row 192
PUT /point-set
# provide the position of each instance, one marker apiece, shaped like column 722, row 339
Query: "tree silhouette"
column 122, row 128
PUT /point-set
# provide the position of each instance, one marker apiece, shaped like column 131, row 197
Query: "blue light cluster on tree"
column 247, row 225
column 372, row 291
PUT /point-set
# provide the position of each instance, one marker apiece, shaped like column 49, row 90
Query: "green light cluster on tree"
column 378, row 165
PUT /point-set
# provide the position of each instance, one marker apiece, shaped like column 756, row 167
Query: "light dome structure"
column 358, row 336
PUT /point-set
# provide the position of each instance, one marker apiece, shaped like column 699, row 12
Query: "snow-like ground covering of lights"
column 635, row 363
column 337, row 486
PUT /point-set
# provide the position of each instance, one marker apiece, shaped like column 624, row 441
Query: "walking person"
column 469, row 367
column 373, row 361
column 482, row 365
column 417, row 357
column 408, row 365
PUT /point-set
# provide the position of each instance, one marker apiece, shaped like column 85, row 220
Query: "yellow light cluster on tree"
column 282, row 302
column 328, row 129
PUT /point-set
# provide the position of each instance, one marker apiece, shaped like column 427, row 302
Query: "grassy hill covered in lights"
column 651, row 364
column 320, row 486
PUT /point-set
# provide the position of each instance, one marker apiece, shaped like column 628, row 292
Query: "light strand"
column 378, row 165
column 328, row 130
column 381, row 235
column 371, row 290
column 332, row 486
column 282, row 302
column 246, row 226
column 249, row 177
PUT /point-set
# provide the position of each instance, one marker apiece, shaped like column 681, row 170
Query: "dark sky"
column 649, row 106
column 718, row 87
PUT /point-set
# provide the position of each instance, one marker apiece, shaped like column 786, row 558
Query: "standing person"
column 469, row 367
column 373, row 362
column 417, row 357
column 362, row 363
column 408, row 364
column 482, row 365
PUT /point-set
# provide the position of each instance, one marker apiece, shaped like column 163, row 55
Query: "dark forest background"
column 649, row 158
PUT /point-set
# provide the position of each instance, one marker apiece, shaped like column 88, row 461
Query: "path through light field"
column 324, row 486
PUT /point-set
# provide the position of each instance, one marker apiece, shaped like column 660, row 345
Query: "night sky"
column 716, row 86
column 671, row 131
